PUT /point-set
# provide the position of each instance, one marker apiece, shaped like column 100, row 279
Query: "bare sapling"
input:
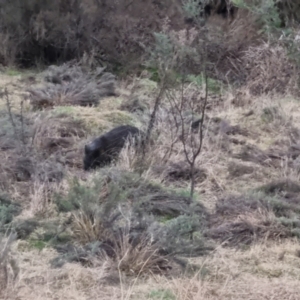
column 163, row 59
column 173, row 57
column 184, row 100
column 8, row 106
column 192, row 142
column 152, row 119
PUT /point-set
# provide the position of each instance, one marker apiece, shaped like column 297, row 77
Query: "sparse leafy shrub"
column 267, row 13
column 21, row 162
column 47, row 233
column 182, row 235
column 272, row 13
column 173, row 55
column 40, row 233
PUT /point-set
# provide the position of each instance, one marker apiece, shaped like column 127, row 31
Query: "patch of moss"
column 96, row 127
column 269, row 114
column 147, row 85
column 69, row 110
column 12, row 72
column 185, row 192
column 165, row 219
column 40, row 245
column 214, row 86
column 162, row 294
column 119, row 118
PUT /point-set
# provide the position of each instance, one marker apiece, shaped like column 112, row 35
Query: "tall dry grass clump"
column 270, row 70
column 69, row 85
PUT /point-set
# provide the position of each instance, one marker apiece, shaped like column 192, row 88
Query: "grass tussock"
column 72, row 86
column 55, row 133
column 270, row 213
column 271, row 71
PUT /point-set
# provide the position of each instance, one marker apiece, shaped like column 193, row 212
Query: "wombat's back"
column 117, row 136
column 104, row 148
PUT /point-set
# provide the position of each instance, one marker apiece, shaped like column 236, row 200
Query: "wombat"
column 104, row 149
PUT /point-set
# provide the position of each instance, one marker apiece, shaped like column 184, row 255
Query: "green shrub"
column 7, row 210
column 266, row 12
column 131, row 220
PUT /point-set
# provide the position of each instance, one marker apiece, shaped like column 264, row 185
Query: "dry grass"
column 270, row 70
column 268, row 137
column 263, row 270
column 41, row 202
column 266, row 271
column 70, row 85
column 248, row 142
column 72, row 282
column 142, row 257
column 8, row 266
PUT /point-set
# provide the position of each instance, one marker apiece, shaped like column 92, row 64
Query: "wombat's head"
column 92, row 154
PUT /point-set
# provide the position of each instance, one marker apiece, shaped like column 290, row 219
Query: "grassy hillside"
column 249, row 241
column 134, row 229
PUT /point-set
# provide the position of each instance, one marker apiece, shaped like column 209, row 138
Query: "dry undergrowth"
column 242, row 149
column 265, row 271
column 270, row 70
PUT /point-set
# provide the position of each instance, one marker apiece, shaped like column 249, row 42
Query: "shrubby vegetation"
column 131, row 221
column 204, row 77
column 56, row 31
column 99, row 34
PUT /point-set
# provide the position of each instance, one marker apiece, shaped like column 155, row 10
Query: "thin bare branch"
column 8, row 105
column 153, row 115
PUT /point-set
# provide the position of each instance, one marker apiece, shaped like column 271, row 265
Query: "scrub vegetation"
column 207, row 206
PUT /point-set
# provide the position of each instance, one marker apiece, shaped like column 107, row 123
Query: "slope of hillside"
column 247, row 184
